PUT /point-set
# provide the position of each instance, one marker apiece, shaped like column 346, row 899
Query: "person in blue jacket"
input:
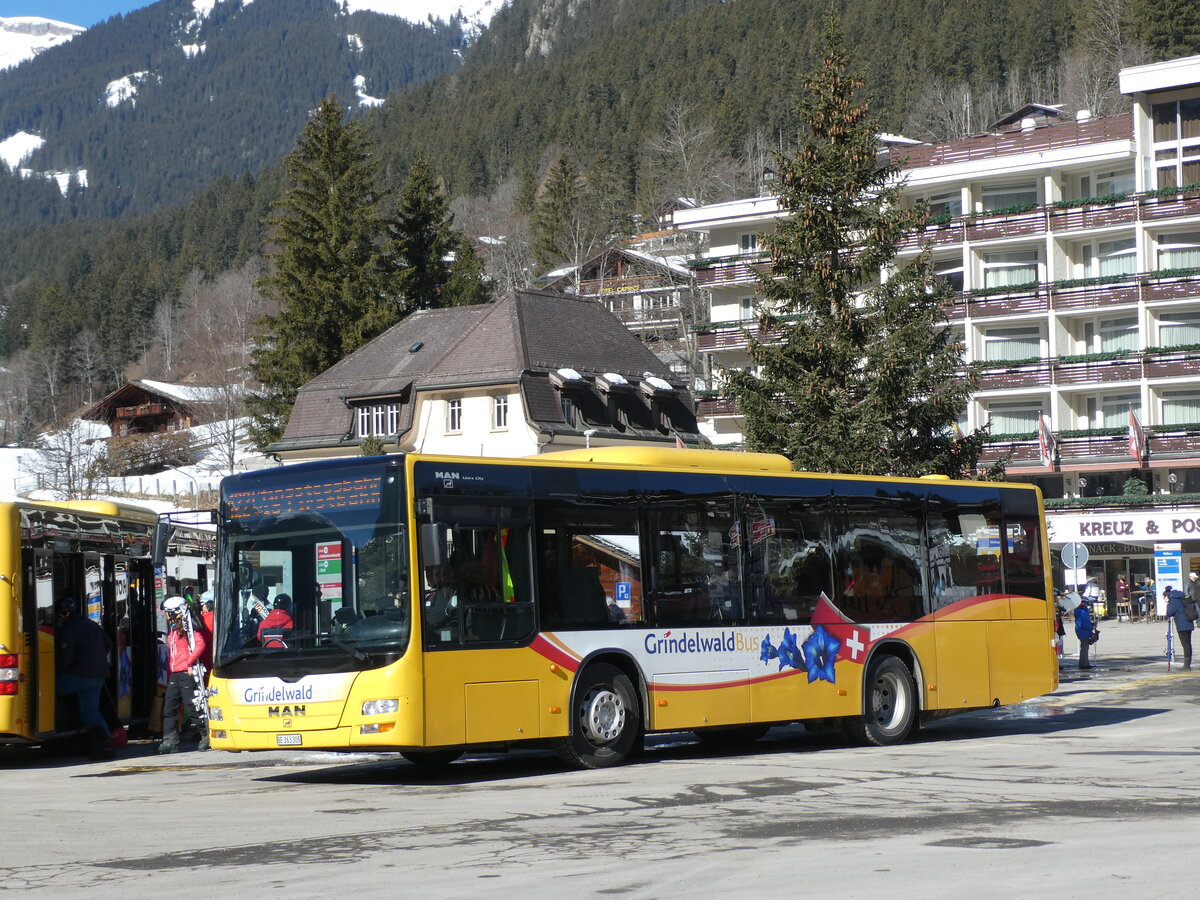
column 1085, row 630
column 1177, row 608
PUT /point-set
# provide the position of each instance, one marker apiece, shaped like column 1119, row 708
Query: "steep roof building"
column 529, row 373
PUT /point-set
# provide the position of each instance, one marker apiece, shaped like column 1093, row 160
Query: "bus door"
column 137, row 637
column 47, row 576
column 476, row 602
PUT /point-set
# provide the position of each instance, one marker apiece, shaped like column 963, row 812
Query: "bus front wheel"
column 890, row 703
column 605, row 721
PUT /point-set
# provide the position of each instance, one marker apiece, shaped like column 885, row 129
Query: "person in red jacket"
column 277, row 620
column 185, row 653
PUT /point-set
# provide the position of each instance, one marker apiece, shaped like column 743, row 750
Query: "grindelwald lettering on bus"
column 699, row 642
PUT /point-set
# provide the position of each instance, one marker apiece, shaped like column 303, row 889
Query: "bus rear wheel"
column 605, row 720
column 431, row 759
column 890, row 703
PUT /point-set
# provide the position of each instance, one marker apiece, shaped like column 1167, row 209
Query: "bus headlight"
column 216, row 714
column 379, row 707
column 377, row 728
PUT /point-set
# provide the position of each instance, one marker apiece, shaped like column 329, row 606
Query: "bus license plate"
column 288, row 740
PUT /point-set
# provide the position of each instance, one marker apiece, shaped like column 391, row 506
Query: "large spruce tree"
column 328, row 269
column 436, row 264
column 854, row 375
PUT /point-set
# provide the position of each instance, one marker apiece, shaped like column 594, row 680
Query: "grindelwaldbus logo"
column 277, row 693
column 697, row 642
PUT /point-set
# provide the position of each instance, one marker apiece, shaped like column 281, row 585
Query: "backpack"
column 1189, row 610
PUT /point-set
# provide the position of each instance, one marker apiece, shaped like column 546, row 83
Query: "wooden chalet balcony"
column 626, row 284
column 1054, row 219
column 731, row 269
column 146, row 409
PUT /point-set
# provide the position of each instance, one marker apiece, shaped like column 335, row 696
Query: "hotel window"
column 1112, row 410
column 1106, row 184
column 1179, row 329
column 500, row 412
column 749, row 243
column 1111, row 335
column 949, row 271
column 1010, row 268
column 1179, row 250
column 453, row 416
column 1181, row 407
column 746, row 309
column 1177, row 142
column 1117, row 257
column 393, row 418
column 1002, row 196
column 1014, row 418
column 949, row 204
column 364, row 421
column 1023, row 342
column 378, row 417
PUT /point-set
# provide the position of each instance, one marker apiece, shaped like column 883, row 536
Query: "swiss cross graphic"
column 854, row 644
column 854, row 638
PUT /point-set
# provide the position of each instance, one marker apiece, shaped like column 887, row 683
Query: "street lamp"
column 587, row 438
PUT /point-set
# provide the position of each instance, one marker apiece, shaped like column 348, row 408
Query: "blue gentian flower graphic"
column 820, row 654
column 789, row 652
column 767, row 652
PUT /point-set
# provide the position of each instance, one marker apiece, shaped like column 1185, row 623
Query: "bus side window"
column 695, row 577
column 589, row 568
column 963, row 551
column 879, row 560
column 789, row 563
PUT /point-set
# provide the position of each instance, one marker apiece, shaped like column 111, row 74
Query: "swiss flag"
column 855, row 639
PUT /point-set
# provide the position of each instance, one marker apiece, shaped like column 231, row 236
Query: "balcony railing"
column 1162, row 442
column 145, row 409
column 1148, row 207
column 1148, row 287
column 731, row 269
column 625, row 284
column 1048, row 137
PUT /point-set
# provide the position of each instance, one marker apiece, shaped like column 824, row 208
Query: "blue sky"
column 74, row 12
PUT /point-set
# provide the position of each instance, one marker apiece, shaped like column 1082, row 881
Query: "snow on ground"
column 15, row 148
column 165, row 491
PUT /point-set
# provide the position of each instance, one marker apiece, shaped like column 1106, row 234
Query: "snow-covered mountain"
column 23, row 37
column 478, row 13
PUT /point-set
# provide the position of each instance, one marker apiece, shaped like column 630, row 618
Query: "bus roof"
column 671, row 458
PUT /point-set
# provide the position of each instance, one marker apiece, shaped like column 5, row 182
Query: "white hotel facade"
column 1074, row 244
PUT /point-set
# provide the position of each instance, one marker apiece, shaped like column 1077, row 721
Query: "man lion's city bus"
column 435, row 605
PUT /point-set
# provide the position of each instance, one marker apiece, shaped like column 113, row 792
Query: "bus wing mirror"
column 433, row 544
column 163, row 532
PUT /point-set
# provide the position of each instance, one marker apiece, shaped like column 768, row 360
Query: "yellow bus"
column 435, row 605
column 97, row 552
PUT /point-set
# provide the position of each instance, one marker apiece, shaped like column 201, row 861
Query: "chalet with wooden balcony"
column 152, row 407
column 654, row 294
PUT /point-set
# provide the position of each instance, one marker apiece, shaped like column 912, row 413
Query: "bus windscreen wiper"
column 350, row 649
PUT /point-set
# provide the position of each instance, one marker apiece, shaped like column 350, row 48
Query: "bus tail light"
column 9, row 673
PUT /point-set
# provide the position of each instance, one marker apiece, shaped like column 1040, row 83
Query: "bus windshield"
column 313, row 574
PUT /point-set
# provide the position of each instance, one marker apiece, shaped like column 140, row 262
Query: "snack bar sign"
column 1109, row 526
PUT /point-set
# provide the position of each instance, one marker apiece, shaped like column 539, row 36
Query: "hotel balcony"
column 1056, row 218
column 1163, row 442
column 1069, row 296
column 720, row 270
